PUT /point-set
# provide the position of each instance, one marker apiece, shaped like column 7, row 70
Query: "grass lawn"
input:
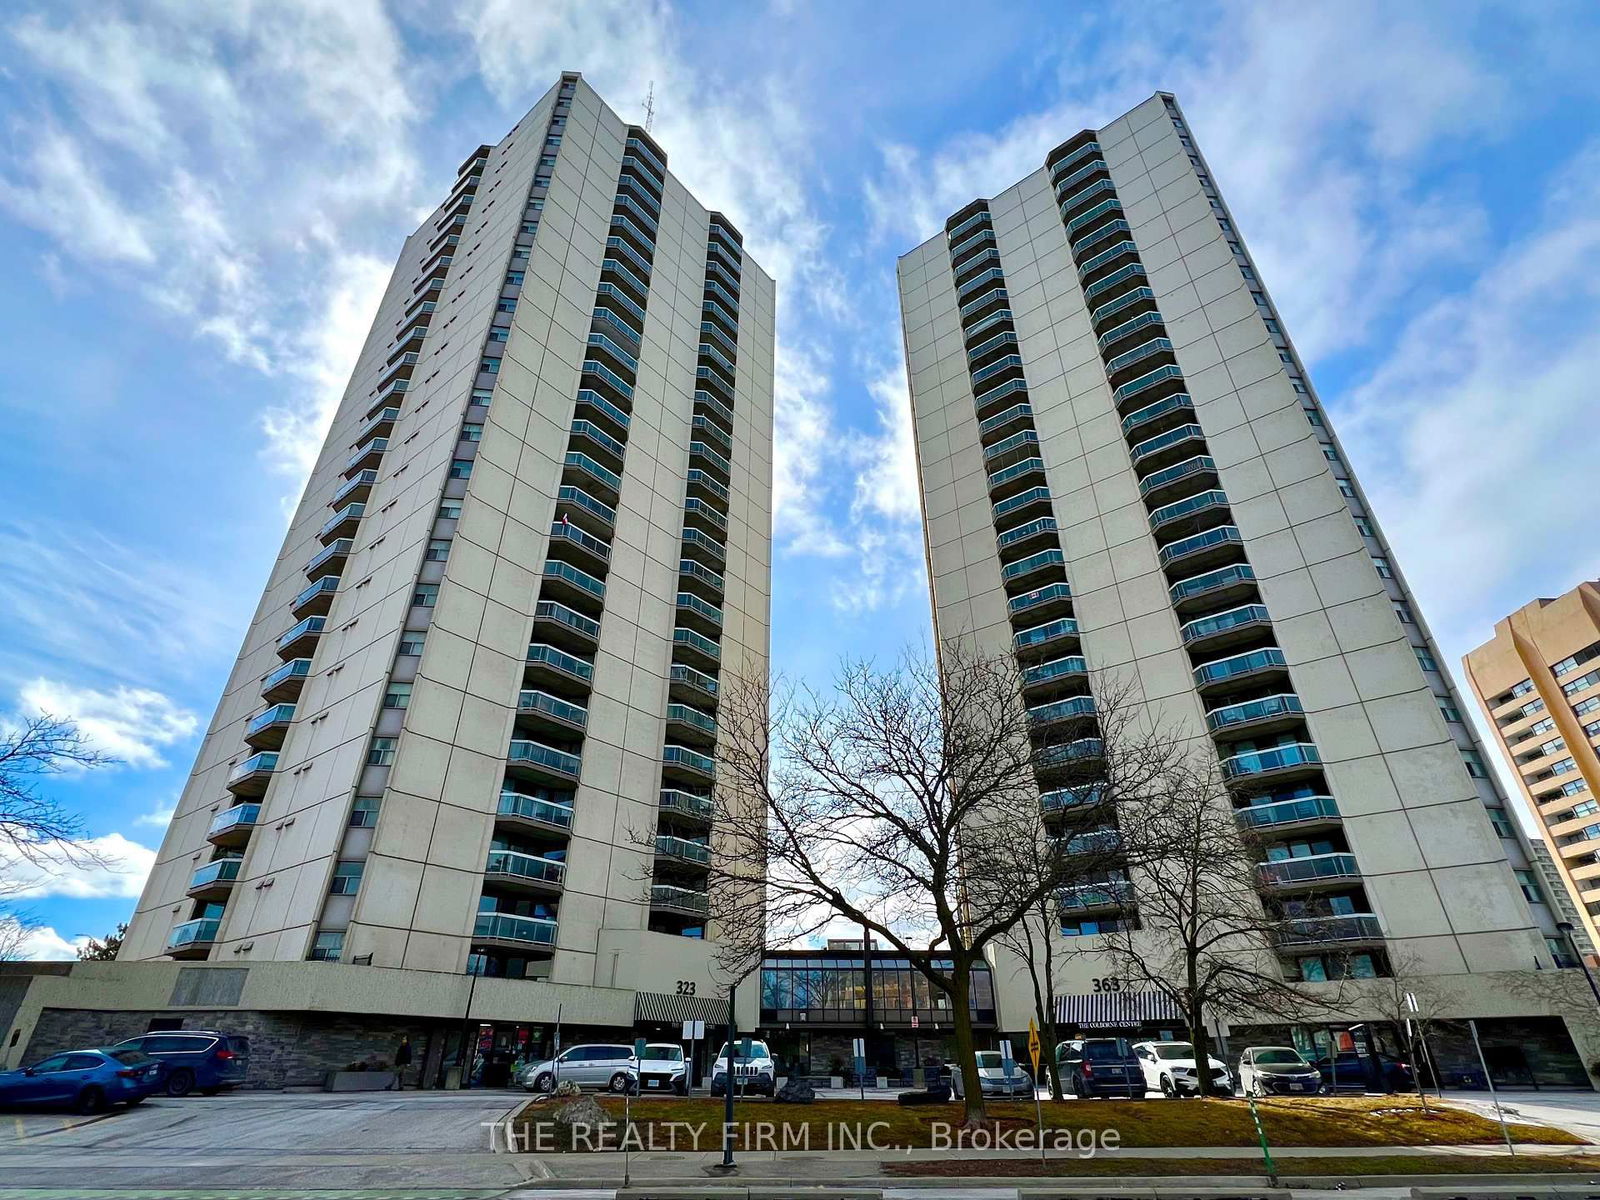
column 1388, row 1164
column 1297, row 1121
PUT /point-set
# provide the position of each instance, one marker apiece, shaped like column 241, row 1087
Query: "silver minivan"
column 600, row 1065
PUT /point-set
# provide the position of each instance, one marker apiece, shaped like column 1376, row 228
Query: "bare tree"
column 14, row 931
column 1205, row 937
column 1413, row 1002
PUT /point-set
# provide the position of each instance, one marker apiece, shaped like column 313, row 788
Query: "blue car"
column 86, row 1081
column 196, row 1059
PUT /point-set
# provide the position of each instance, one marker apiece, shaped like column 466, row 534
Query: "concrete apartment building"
column 472, row 729
column 1538, row 683
column 1126, row 470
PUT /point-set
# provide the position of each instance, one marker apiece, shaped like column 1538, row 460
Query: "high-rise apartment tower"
column 1125, row 470
column 473, row 725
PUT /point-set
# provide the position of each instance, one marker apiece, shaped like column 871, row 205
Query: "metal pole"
column 1261, row 1136
column 733, row 1060
column 1038, row 1111
column 1493, row 1095
column 866, row 1024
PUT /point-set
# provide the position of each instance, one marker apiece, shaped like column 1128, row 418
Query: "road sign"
column 915, row 1022
column 638, row 1048
column 1033, row 1045
column 694, row 1031
column 1007, row 1063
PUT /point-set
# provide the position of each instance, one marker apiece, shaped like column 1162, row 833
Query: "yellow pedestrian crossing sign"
column 1033, row 1045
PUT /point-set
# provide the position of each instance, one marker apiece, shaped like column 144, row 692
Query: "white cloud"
column 130, row 724
column 158, row 818
column 95, row 867
column 35, row 943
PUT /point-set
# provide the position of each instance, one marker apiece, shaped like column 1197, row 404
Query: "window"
column 461, row 468
column 1587, row 808
column 1582, row 682
column 382, row 752
column 1332, row 455
column 472, row 431
column 1424, row 659
column 1592, row 729
column 520, row 256
column 1574, row 661
column 364, row 812
column 541, row 181
column 346, row 878
column 1573, row 788
column 547, row 162
column 426, row 595
column 1226, row 228
column 1315, row 418
column 1501, row 822
column 514, row 278
column 438, row 550
column 1530, row 886
column 1553, row 745
column 327, row 947
column 1474, row 765
column 1449, row 711
column 1563, row 767
column 1260, row 298
column 505, row 306
column 1584, row 707
column 552, row 142
column 491, row 365
column 482, row 396
column 1238, row 249
column 499, row 333
column 1300, row 387
column 450, row 510
column 536, row 205
column 398, row 696
column 1346, row 490
column 1364, row 528
column 410, row 643
column 1272, row 326
column 1381, row 566
column 1283, row 356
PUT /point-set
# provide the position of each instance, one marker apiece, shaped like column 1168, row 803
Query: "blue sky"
column 202, row 203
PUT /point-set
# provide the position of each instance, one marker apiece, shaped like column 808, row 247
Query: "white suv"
column 755, row 1072
column 664, row 1069
column 1169, row 1067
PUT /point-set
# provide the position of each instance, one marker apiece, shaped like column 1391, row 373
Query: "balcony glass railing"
column 535, row 808
column 1157, row 480
column 1222, row 535
column 218, row 870
column 1097, row 235
column 1010, row 504
column 1112, row 307
column 689, row 602
column 704, row 399
column 701, row 450
column 976, row 219
column 1004, row 363
column 1060, row 710
column 957, row 249
column 278, row 714
column 194, row 933
column 1023, row 532
column 1346, row 927
column 1121, row 275
column 1287, row 812
column 688, row 803
column 588, row 466
column 684, row 848
column 992, row 275
column 1279, row 758
column 1006, row 475
column 1110, row 254
column 714, row 331
column 1187, row 507
column 1231, row 715
column 615, row 295
column 549, row 610
column 1050, row 593
column 556, row 569
column 1157, row 345
column 594, row 400
column 302, row 629
column 508, row 927
column 1016, row 412
column 1228, row 576
column 532, row 867
column 684, row 715
column 977, row 260
column 578, row 498
column 361, row 479
column 266, row 760
column 664, row 895
column 1309, row 868
column 699, row 478
column 531, row 700
column 638, row 261
column 1233, row 618
column 541, row 654
column 616, row 267
column 350, row 512
column 327, row 584
column 647, row 240
column 713, row 267
column 731, row 301
column 539, row 755
column 1017, row 441
column 999, row 392
column 1164, row 441
column 1117, row 332
column 338, row 549
column 707, row 350
column 593, row 366
column 1067, row 182
column 376, row 446
column 1266, row 659
column 682, row 756
column 1105, row 894
column 1086, row 150
column 689, row 639
column 1052, row 557
column 1094, row 214
column 1077, row 751
column 1061, row 799
column 1145, row 382
column 693, row 506
column 238, row 817
column 998, row 292
column 1085, row 194
column 705, row 575
column 294, row 668
column 679, row 673
column 1151, row 412
column 1060, row 668
column 639, row 211
column 1048, row 632
column 1091, row 841
column 566, row 531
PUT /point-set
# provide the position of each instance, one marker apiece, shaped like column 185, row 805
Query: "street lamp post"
column 1566, row 933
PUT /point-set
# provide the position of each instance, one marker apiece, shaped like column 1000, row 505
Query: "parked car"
column 600, row 1065
column 196, row 1058
column 992, row 1079
column 1170, row 1069
column 753, row 1071
column 1358, row 1071
column 664, row 1068
column 1101, row 1068
column 1277, row 1070
column 86, row 1081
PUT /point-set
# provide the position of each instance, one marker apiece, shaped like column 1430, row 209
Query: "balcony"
column 357, row 487
column 695, row 648
column 570, row 583
column 686, row 722
column 342, row 524
column 1001, row 365
column 706, row 455
column 683, row 851
column 1234, row 582
column 232, row 826
column 1156, row 347
column 1087, row 218
column 553, row 664
column 1071, row 666
column 699, row 514
column 1022, row 444
column 685, row 683
column 995, row 295
column 583, row 468
column 606, row 413
column 1168, row 447
column 1330, row 930
column 542, row 709
column 1072, row 709
column 702, row 547
column 700, row 579
column 1266, row 715
column 1042, row 603
column 1305, row 813
column 988, row 400
column 974, row 283
column 978, row 218
column 690, row 806
column 1104, row 258
column 687, row 902
column 1310, row 869
column 703, row 483
column 1069, row 754
column 1030, row 472
column 250, row 777
column 1221, row 629
column 564, row 535
column 193, row 939
column 1266, row 661
column 285, row 682
column 1021, row 501
column 535, row 758
column 520, row 872
column 1155, row 488
column 567, row 625
column 1033, row 568
column 368, row 455
column 1108, row 893
column 330, row 559
column 584, row 511
column 1293, row 758
column 518, row 810
column 1201, row 550
column 1114, row 280
column 266, row 730
column 1006, row 421
column 707, row 430
column 682, row 762
column 316, row 599
column 513, row 932
column 1074, row 202
column 1122, row 304
column 1156, row 417
column 215, row 879
column 1062, row 629
column 1066, row 799
column 301, row 639
column 1125, row 330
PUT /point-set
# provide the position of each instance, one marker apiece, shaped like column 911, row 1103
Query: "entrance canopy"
column 1110, row 1010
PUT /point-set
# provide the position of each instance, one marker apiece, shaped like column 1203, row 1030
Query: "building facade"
column 1126, row 473
column 472, row 728
column 1538, row 684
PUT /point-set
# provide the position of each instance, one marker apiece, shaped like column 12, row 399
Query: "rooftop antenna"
column 650, row 107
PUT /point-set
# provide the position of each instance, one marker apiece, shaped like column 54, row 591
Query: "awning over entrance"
column 1108, row 1010
column 657, row 1006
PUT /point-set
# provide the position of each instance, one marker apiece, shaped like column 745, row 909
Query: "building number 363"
column 1109, row 983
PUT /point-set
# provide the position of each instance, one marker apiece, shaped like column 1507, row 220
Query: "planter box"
column 836, row 1082
column 358, row 1081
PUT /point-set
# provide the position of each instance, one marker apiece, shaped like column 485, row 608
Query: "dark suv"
column 202, row 1059
column 1101, row 1067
